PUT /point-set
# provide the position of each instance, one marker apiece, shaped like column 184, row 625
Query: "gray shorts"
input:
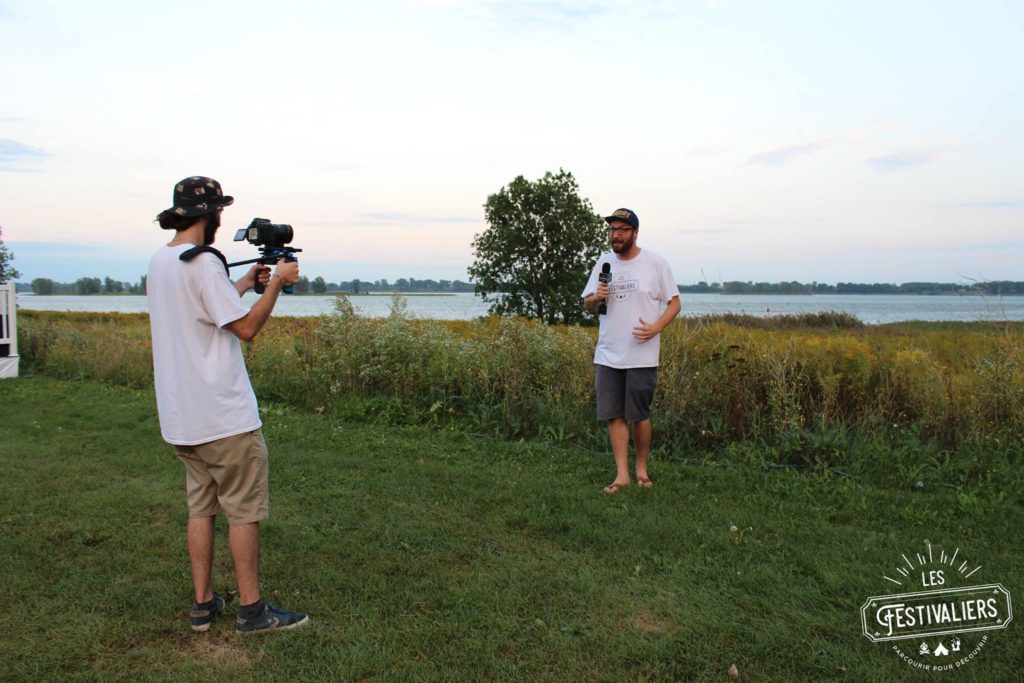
column 625, row 393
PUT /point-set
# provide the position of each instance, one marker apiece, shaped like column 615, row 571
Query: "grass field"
column 434, row 554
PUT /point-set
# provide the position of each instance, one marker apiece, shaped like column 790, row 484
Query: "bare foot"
column 615, row 486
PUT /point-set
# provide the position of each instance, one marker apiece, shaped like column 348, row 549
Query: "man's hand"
column 645, row 331
column 594, row 300
column 248, row 326
column 288, row 271
column 258, row 273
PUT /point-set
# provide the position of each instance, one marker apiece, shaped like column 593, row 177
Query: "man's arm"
column 258, row 273
column 646, row 331
column 248, row 326
column 593, row 300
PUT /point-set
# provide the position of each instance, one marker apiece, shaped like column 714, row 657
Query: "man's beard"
column 210, row 231
column 627, row 244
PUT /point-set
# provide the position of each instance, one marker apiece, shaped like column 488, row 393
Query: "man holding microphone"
column 628, row 286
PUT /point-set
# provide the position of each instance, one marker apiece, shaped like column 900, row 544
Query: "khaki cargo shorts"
column 228, row 475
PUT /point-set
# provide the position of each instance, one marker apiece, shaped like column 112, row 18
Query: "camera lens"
column 282, row 234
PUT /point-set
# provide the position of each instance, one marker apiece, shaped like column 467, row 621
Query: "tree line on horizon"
column 994, row 287
column 532, row 261
column 318, row 285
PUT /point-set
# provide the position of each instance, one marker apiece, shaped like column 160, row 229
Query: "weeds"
column 819, row 391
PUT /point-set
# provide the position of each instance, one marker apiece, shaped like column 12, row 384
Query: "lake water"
column 873, row 309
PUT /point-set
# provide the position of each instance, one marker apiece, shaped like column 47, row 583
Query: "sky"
column 838, row 141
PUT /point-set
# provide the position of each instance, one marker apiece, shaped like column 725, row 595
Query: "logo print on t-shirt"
column 622, row 288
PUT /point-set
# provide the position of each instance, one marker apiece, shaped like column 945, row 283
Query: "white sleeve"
column 220, row 298
column 592, row 282
column 669, row 288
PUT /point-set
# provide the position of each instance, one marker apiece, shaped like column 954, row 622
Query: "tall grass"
column 816, row 390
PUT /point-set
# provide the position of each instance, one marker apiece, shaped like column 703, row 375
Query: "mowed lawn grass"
column 436, row 555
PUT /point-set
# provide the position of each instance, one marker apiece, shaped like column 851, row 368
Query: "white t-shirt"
column 203, row 391
column 639, row 288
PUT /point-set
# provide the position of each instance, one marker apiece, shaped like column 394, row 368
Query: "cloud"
column 550, row 12
column 391, row 218
column 867, row 134
column 341, row 167
column 948, row 247
column 989, row 204
column 704, row 231
column 559, row 14
column 14, row 153
column 399, row 217
column 780, row 156
column 702, row 150
column 905, row 158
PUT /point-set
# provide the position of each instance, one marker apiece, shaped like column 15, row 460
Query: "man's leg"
column 640, row 385
column 610, row 387
column 642, row 444
column 200, row 553
column 618, row 434
column 244, row 541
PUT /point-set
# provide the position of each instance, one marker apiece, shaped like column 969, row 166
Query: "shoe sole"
column 211, row 614
column 273, row 629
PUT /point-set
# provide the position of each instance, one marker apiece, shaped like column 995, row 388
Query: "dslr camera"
column 272, row 239
column 262, row 233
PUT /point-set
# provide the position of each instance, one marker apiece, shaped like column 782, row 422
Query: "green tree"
column 534, row 258
column 42, row 285
column 88, row 285
column 112, row 286
column 319, row 285
column 139, row 288
column 302, row 285
column 7, row 271
column 355, row 286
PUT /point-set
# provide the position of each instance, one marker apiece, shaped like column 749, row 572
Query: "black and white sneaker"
column 271, row 619
column 203, row 615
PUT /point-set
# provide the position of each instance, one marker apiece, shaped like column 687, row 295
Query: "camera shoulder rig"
column 190, row 254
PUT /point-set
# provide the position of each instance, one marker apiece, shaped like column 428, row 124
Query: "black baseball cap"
column 624, row 215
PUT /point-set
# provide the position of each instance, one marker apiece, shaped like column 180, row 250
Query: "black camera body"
column 262, row 233
column 272, row 239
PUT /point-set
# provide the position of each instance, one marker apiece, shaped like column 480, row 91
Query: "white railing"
column 8, row 331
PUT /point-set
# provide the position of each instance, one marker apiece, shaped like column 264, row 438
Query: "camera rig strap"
column 197, row 250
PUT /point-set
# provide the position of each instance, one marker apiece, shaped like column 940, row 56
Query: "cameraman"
column 205, row 401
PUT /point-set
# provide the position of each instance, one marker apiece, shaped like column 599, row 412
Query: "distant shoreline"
column 380, row 294
column 773, row 294
column 387, row 293
column 768, row 294
column 740, row 294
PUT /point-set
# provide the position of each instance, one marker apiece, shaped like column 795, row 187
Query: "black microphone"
column 605, row 277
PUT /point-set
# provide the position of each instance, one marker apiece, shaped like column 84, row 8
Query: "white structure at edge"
column 8, row 331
